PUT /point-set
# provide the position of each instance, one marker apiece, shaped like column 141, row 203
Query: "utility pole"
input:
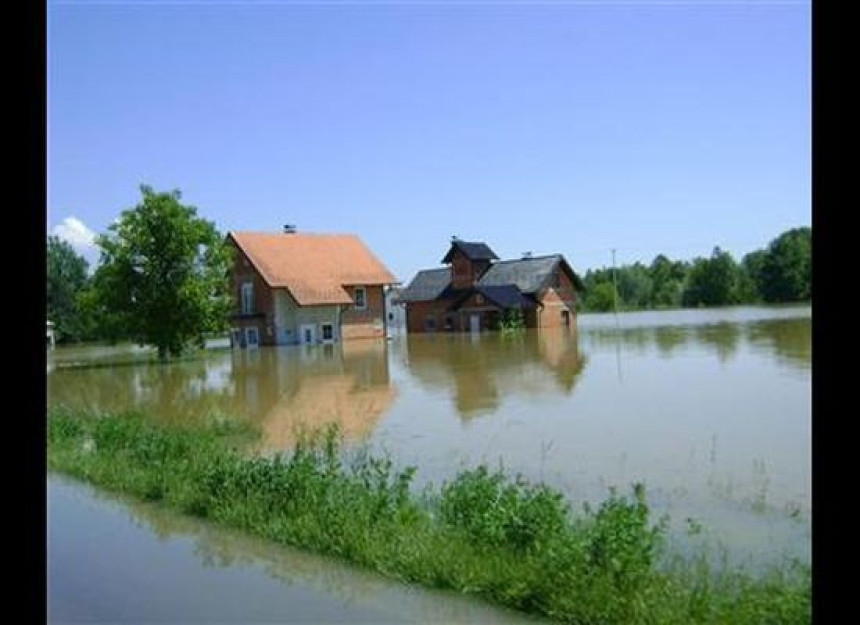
column 614, row 283
column 617, row 321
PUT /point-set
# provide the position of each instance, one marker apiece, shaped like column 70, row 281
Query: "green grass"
column 483, row 533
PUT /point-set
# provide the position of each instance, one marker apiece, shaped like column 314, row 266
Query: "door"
column 475, row 322
column 308, row 334
column 252, row 337
column 565, row 318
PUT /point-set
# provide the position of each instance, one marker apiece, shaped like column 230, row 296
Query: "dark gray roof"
column 528, row 274
column 472, row 251
column 427, row 284
column 507, row 296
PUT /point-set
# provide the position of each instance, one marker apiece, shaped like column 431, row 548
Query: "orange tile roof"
column 313, row 267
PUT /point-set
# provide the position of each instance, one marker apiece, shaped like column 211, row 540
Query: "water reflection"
column 113, row 559
column 721, row 338
column 789, row 340
column 481, row 370
column 280, row 389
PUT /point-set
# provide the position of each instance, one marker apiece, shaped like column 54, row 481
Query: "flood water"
column 117, row 561
column 711, row 409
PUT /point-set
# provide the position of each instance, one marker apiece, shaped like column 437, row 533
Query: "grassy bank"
column 482, row 533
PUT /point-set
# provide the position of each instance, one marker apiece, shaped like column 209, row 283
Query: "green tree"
column 163, row 276
column 67, row 277
column 750, row 277
column 668, row 279
column 786, row 273
column 634, row 286
column 712, row 281
column 600, row 297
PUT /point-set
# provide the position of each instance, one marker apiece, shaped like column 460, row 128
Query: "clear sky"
column 571, row 127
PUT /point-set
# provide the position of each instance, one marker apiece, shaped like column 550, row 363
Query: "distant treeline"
column 782, row 272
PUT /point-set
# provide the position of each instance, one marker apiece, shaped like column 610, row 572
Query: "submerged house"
column 477, row 288
column 292, row 288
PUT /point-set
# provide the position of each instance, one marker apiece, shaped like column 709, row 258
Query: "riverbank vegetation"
column 780, row 273
column 482, row 533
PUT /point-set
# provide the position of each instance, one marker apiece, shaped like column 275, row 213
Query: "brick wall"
column 557, row 300
column 417, row 313
column 367, row 323
column 465, row 272
column 263, row 314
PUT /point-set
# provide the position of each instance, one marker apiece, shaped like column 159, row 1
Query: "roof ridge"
column 519, row 260
column 292, row 234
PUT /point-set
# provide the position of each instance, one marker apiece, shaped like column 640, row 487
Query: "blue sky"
column 572, row 127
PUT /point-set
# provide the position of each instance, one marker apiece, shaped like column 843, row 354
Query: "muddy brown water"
column 711, row 409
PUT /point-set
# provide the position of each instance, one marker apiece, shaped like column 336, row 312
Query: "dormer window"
column 360, row 298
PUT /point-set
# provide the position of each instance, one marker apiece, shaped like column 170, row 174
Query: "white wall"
column 289, row 317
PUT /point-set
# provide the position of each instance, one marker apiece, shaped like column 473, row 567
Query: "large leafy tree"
column 163, row 275
column 668, row 281
column 634, row 286
column 67, row 278
column 600, row 297
column 712, row 281
column 750, row 276
column 786, row 272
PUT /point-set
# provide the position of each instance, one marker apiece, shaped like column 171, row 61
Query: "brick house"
column 292, row 288
column 477, row 288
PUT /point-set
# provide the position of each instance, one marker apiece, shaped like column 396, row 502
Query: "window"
column 430, row 323
column 327, row 332
column 360, row 298
column 247, row 298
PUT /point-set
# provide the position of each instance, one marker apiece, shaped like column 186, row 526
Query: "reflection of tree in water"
column 97, row 388
column 722, row 337
column 669, row 338
column 636, row 338
column 482, row 370
column 174, row 391
column 789, row 339
column 276, row 388
column 184, row 391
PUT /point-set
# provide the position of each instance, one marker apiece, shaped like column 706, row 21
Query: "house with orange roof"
column 304, row 288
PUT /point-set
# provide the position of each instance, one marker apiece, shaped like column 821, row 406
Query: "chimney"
column 289, row 229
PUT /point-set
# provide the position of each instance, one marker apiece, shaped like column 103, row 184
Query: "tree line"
column 779, row 273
